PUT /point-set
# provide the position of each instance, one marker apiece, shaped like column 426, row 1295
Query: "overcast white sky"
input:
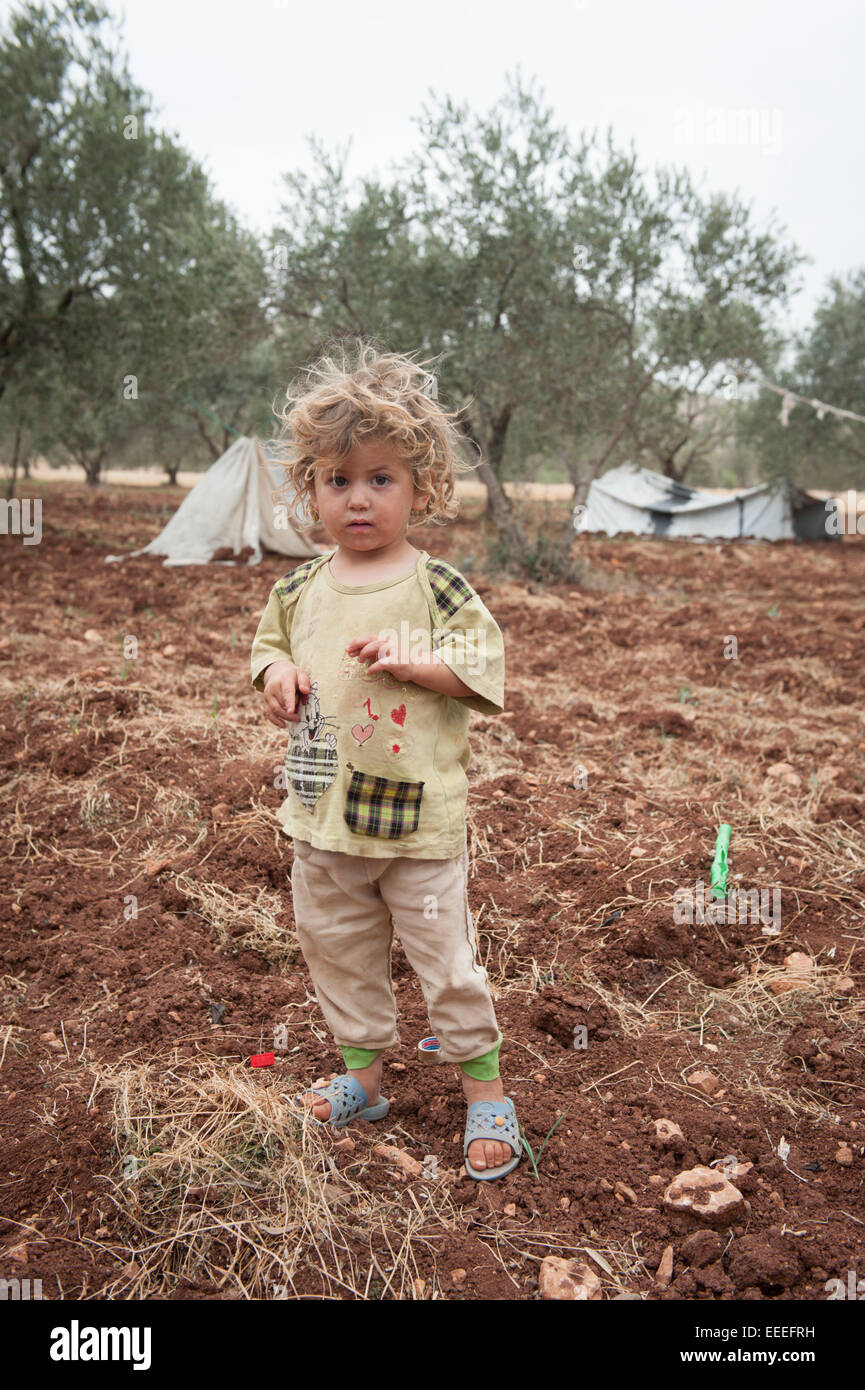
column 243, row 85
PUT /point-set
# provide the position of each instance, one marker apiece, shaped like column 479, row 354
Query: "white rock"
column 571, row 1280
column 705, row 1193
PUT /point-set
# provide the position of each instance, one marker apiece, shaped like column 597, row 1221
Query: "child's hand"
column 284, row 683
column 383, row 652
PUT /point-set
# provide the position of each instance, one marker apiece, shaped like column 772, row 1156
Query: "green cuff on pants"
column 356, row 1058
column 483, row 1068
column 486, row 1067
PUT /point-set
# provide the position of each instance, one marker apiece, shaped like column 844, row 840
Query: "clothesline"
column 790, row 398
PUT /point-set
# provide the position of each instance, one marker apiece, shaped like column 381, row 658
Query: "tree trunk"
column 495, row 452
column 171, row 470
column 92, row 465
column 498, row 508
column 13, row 473
column 214, row 449
column 581, row 483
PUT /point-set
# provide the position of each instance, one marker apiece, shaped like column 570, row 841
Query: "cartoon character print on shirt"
column 311, row 763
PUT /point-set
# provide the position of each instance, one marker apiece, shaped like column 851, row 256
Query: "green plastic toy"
column 719, row 863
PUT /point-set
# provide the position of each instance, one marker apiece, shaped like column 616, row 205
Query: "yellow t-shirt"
column 377, row 766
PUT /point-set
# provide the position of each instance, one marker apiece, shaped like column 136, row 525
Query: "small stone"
column 844, row 1156
column 799, row 974
column 103, row 1231
column 845, row 985
column 346, row 1144
column 510, row 1209
column 622, row 1190
column 656, row 1179
column 169, row 650
column 397, row 1066
column 156, row 866
column 571, row 1280
column 703, row 1081
column 732, row 1171
column 174, row 1016
column 669, row 1134
column 798, row 963
column 606, row 1185
column 540, row 1077
column 706, row 1194
column 785, row 773
column 458, row 1276
column 419, row 1286
column 565, row 1203
column 91, row 635
column 664, row 1272
column 711, row 1047
column 402, row 1159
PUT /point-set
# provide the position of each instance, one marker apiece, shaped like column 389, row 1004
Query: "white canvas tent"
column 231, row 508
column 633, row 499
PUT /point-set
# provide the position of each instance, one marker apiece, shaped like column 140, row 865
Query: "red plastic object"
column 263, row 1059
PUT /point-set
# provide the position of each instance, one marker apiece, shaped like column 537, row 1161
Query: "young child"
column 375, row 654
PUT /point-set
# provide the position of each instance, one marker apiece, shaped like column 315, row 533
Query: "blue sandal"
column 492, row 1119
column 347, row 1102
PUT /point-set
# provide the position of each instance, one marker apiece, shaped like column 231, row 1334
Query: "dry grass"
column 223, row 909
column 221, row 1180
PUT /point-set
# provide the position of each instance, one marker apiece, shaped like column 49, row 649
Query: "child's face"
column 365, row 500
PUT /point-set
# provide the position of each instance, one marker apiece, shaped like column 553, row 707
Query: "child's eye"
column 337, row 480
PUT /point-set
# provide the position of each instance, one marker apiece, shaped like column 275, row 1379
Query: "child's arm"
column 435, row 674
column 273, row 671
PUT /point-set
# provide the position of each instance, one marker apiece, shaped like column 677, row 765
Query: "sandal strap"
column 346, row 1095
column 480, row 1123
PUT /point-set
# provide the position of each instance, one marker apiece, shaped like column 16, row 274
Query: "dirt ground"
column 147, row 947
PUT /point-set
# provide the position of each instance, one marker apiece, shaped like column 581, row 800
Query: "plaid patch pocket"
column 377, row 806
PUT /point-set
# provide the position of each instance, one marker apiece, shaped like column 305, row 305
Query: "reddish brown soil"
column 622, row 672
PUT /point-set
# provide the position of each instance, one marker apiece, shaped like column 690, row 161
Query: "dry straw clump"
column 224, row 1183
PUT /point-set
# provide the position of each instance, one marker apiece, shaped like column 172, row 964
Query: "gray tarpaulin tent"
column 633, row 499
column 232, row 508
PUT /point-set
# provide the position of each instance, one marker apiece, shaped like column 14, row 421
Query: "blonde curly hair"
column 370, row 394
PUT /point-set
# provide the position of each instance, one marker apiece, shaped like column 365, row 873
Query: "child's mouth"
column 359, row 525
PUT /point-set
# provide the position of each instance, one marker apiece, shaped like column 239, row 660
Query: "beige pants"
column 346, row 907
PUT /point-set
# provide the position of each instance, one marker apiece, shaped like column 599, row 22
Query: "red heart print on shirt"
column 398, row 715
